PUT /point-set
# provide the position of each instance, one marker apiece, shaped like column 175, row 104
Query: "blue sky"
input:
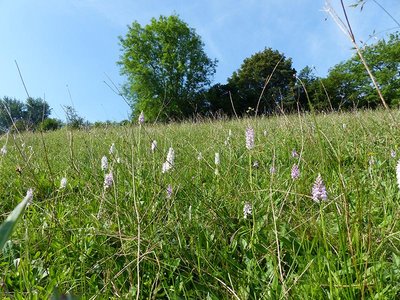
column 64, row 46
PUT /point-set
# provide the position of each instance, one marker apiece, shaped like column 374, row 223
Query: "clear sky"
column 70, row 47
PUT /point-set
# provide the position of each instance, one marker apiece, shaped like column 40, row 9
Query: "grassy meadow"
column 184, row 234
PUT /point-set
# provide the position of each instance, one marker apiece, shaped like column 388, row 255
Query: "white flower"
column 398, row 173
column 112, row 148
column 29, row 196
column 216, row 159
column 104, row 163
column 199, row 156
column 3, row 150
column 153, row 146
column 169, row 163
column 247, row 209
column 63, row 183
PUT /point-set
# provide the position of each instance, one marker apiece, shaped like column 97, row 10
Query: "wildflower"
column 249, row 138
column 247, row 209
column 29, row 196
column 169, row 163
column 294, row 153
column 169, row 191
column 141, row 118
column 104, row 163
column 344, row 125
column 216, row 159
column 295, row 172
column 255, row 164
column 371, row 161
column 199, row 156
column 318, row 190
column 393, row 153
column 63, row 183
column 265, row 133
column 398, row 173
column 108, row 180
column 112, row 148
column 3, row 150
column 153, row 146
column 272, row 170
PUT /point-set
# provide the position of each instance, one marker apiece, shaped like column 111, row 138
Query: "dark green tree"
column 350, row 86
column 11, row 110
column 37, row 110
column 247, row 83
column 166, row 68
column 310, row 89
column 74, row 121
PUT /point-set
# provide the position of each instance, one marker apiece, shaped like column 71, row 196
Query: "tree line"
column 34, row 114
column 168, row 77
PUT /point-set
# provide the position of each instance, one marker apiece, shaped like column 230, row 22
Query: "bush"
column 50, row 124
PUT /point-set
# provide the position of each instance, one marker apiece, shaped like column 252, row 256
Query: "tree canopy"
column 25, row 115
column 349, row 86
column 166, row 68
column 246, row 85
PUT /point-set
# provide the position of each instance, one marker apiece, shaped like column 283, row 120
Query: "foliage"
column 22, row 115
column 37, row 110
column 350, row 86
column 248, row 82
column 74, row 121
column 7, row 227
column 50, row 124
column 11, row 110
column 166, row 68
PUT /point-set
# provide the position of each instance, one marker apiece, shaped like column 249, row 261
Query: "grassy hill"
column 184, row 234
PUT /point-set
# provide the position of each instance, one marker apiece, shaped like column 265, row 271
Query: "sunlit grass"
column 183, row 233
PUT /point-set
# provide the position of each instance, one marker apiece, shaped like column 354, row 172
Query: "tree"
column 11, row 110
column 247, row 83
column 166, row 68
column 350, row 86
column 74, row 121
column 37, row 110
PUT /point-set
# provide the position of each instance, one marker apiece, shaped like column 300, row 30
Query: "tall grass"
column 182, row 234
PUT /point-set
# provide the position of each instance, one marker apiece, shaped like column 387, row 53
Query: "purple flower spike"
column 318, row 190
column 249, row 138
column 169, row 191
column 295, row 172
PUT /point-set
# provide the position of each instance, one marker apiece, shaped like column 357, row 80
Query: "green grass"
column 133, row 241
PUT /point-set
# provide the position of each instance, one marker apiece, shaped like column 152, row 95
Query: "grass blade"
column 8, row 225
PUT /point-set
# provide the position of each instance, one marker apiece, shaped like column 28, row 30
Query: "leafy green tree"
column 37, row 110
column 74, row 121
column 247, row 83
column 350, row 86
column 11, row 110
column 166, row 68
column 310, row 89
